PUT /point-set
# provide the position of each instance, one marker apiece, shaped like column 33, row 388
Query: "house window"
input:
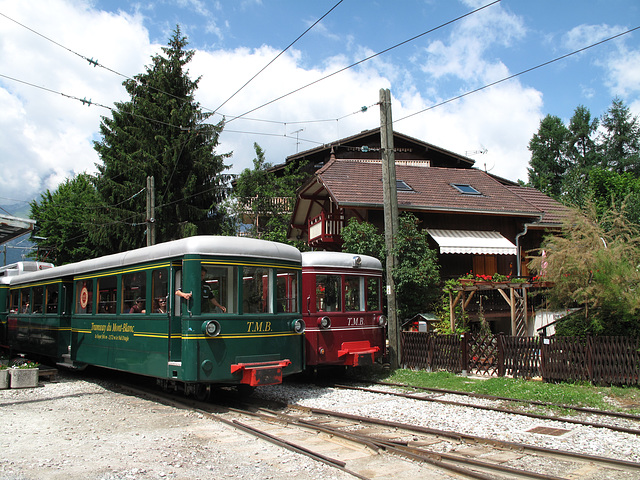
column 465, row 188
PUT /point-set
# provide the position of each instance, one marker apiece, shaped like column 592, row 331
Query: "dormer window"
column 465, row 188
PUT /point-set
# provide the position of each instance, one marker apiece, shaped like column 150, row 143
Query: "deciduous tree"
column 64, row 217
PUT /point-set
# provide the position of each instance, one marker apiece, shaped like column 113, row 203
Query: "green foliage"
column 63, row 218
column 265, row 199
column 610, row 189
column 563, row 158
column 594, row 264
column 417, row 273
column 621, row 139
column 363, row 238
column 548, row 163
column 161, row 132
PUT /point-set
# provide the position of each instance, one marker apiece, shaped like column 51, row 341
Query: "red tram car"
column 342, row 309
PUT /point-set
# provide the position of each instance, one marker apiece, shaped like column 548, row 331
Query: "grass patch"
column 625, row 399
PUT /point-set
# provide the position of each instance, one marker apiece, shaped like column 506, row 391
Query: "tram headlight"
column 211, row 328
column 298, row 326
column 324, row 323
column 382, row 320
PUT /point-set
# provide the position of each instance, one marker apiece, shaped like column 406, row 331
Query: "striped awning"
column 473, row 242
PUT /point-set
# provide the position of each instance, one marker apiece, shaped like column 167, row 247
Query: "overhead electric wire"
column 95, row 63
column 277, row 56
column 519, row 73
column 366, row 59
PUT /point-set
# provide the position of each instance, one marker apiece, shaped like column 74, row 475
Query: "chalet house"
column 478, row 222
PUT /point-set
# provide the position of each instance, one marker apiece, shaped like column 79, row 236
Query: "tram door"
column 175, row 319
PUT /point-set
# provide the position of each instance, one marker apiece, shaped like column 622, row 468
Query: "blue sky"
column 46, row 135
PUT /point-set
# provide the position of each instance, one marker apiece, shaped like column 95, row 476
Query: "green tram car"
column 192, row 312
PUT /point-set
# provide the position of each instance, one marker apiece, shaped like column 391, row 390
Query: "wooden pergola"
column 515, row 294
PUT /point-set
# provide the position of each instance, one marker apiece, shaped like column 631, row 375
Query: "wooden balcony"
column 325, row 229
column 252, row 207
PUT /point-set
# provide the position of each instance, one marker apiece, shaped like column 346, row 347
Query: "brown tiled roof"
column 554, row 212
column 353, row 183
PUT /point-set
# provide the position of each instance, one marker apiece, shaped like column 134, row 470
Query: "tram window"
column 177, row 283
column 25, row 303
column 38, row 299
column 14, row 302
column 255, row 290
column 373, row 294
column 328, row 296
column 84, row 296
column 107, row 294
column 52, row 298
column 352, row 294
column 160, row 289
column 215, row 283
column 287, row 291
column 134, row 292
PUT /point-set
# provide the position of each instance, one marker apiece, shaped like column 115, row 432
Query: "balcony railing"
column 326, row 228
column 272, row 204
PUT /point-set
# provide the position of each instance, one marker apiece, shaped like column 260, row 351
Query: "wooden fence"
column 600, row 360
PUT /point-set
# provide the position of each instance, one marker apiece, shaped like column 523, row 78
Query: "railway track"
column 370, row 448
column 631, row 418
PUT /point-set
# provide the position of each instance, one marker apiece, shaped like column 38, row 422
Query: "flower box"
column 24, row 377
column 4, row 379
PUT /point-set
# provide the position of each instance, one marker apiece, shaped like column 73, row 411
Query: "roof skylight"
column 401, row 186
column 465, row 188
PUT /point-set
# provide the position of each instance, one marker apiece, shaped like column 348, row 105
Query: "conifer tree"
column 161, row 132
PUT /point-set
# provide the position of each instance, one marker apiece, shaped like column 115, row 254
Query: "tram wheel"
column 202, row 392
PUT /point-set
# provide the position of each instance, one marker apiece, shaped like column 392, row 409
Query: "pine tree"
column 621, row 139
column 160, row 132
column 548, row 161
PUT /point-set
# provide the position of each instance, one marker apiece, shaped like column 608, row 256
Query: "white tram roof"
column 340, row 259
column 198, row 245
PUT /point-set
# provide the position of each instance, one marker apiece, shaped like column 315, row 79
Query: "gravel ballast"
column 80, row 429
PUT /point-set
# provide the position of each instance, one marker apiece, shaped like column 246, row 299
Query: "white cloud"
column 47, row 135
column 585, row 35
column 624, row 73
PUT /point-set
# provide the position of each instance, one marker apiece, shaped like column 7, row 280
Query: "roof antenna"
column 297, row 132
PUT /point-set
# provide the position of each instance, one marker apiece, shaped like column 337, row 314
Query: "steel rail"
column 539, row 416
column 476, row 439
column 442, row 460
column 201, row 408
column 446, row 462
column 593, row 411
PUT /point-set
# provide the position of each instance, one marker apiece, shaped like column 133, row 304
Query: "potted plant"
column 4, row 376
column 24, row 375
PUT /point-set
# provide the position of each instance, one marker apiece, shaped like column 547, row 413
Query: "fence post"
column 544, row 341
column 464, row 361
column 590, row 356
column 501, row 365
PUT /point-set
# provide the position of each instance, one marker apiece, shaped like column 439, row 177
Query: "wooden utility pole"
column 151, row 211
column 390, row 199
